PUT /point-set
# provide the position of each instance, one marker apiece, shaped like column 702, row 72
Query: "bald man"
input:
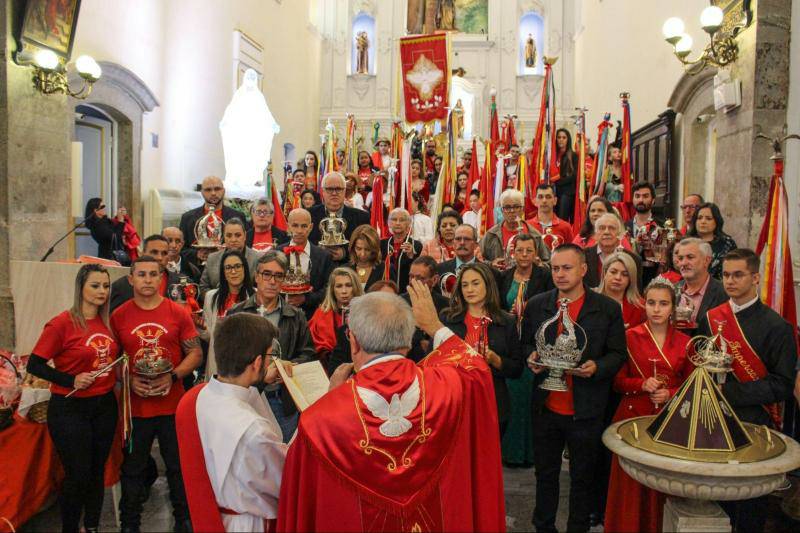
column 175, row 262
column 213, row 191
column 314, row 257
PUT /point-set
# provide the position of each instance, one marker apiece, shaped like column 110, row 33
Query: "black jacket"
column 402, row 266
column 321, row 268
column 601, row 319
column 594, row 268
column 772, row 339
column 294, row 337
column 189, row 221
column 105, row 231
column 541, row 280
column 122, row 291
column 354, row 218
column 504, row 341
column 189, row 269
column 278, row 236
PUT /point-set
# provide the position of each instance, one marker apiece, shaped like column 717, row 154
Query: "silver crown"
column 564, row 353
column 332, row 228
column 712, row 354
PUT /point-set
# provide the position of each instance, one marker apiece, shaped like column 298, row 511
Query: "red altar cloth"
column 30, row 470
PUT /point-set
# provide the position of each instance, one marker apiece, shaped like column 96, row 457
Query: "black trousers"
column 82, row 430
column 550, row 432
column 566, row 206
column 135, row 469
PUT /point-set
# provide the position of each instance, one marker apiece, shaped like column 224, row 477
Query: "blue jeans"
column 288, row 424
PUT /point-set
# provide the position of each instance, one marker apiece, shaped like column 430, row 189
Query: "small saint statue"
column 362, row 46
column 530, row 52
column 446, row 15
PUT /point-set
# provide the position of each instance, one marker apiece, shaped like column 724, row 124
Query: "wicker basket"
column 38, row 412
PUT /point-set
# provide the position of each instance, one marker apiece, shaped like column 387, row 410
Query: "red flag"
column 474, row 174
column 279, row 221
column 424, row 60
column 376, row 219
column 487, row 192
column 627, row 150
column 494, row 132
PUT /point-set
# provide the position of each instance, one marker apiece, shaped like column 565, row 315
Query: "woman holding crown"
column 656, row 368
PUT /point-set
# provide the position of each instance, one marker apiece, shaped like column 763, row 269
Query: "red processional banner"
column 424, row 60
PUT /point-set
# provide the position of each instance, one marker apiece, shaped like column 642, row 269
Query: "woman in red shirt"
column 81, row 345
column 343, row 286
column 235, row 286
column 621, row 284
column 657, row 366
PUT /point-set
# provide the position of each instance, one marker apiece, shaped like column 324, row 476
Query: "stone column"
column 743, row 167
column 34, row 167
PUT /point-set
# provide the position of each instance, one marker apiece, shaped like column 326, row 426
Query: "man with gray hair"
column 698, row 290
column 419, row 439
column 608, row 232
column 400, row 249
column 333, row 188
column 263, row 235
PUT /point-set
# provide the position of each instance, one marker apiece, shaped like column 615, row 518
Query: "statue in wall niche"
column 530, row 52
column 247, row 130
column 362, row 47
column 446, row 15
column 458, row 109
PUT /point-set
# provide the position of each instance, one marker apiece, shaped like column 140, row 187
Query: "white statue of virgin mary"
column 247, row 129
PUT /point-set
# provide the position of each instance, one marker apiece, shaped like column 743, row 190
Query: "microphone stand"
column 67, row 234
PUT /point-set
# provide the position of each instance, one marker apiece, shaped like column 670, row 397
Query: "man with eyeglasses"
column 688, row 208
column 213, row 191
column 294, row 336
column 235, row 237
column 263, row 236
column 764, row 353
column 333, row 189
column 495, row 242
column 312, row 257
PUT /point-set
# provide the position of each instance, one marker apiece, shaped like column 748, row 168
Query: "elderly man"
column 333, row 187
column 263, row 236
column 438, row 466
column 175, row 261
column 698, row 290
column 495, row 242
column 608, row 232
column 688, row 208
column 213, row 191
column 400, row 249
column 235, row 238
column 465, row 245
column 311, row 257
column 294, row 336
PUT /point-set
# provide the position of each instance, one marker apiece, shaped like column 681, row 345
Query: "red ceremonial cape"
column 631, row 506
column 442, row 474
column 747, row 365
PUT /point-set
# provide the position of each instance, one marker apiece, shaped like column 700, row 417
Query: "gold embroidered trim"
column 421, row 437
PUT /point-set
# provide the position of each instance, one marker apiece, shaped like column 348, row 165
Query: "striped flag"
column 543, row 162
column 581, row 189
column 777, row 281
column 599, row 176
column 487, row 192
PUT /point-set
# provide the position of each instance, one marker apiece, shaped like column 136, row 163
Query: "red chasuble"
column 631, row 506
column 442, row 472
column 747, row 365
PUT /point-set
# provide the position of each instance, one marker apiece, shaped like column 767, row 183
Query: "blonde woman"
column 620, row 282
column 82, row 413
column 365, row 256
column 343, row 286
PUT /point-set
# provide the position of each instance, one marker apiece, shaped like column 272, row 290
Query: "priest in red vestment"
column 656, row 368
column 398, row 446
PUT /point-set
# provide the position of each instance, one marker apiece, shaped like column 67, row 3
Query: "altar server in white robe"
column 232, row 453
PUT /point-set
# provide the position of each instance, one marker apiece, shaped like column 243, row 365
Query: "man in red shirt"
column 154, row 327
column 560, row 230
column 575, row 417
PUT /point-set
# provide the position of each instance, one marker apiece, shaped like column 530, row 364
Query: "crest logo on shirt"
column 149, row 334
column 101, row 344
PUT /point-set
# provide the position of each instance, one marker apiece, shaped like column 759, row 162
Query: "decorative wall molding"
column 125, row 80
column 363, row 6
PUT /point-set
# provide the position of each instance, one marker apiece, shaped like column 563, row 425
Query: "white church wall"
column 183, row 51
column 621, row 48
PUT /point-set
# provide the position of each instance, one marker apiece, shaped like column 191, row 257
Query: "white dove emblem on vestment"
column 425, row 77
column 395, row 412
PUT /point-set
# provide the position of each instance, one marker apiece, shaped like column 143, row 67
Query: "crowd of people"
column 493, row 291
